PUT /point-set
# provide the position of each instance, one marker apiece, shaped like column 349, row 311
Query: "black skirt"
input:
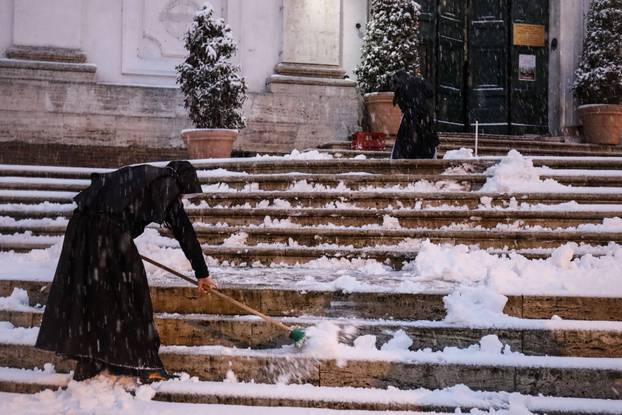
column 99, row 305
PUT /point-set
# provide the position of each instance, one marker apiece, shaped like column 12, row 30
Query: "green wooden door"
column 529, row 87
column 487, row 66
column 450, row 60
column 478, row 72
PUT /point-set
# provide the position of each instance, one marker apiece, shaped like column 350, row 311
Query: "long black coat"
column 99, row 305
column 416, row 138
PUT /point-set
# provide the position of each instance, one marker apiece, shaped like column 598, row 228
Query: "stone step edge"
column 532, row 338
column 541, row 325
column 324, row 397
column 438, row 359
column 387, row 255
column 315, row 178
column 279, row 301
column 239, row 164
column 574, row 377
column 412, row 233
column 52, row 196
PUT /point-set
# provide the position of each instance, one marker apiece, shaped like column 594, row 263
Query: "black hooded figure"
column 416, row 138
column 99, row 310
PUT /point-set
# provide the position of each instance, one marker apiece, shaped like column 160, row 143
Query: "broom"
column 297, row 334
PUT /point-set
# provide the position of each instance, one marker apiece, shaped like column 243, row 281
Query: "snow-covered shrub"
column 391, row 43
column 599, row 77
column 213, row 88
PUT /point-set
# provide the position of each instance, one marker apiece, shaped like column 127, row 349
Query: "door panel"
column 487, row 100
column 529, row 96
column 450, row 65
column 427, row 31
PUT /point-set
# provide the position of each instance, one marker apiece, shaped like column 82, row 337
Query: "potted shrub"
column 391, row 43
column 599, row 77
column 213, row 89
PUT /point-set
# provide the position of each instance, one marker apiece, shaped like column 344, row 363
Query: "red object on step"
column 368, row 141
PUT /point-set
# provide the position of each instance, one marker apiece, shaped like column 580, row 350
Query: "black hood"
column 186, row 176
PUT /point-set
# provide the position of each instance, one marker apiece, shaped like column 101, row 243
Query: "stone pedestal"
column 47, row 31
column 311, row 40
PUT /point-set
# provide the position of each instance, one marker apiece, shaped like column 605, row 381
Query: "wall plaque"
column 529, row 34
column 526, row 67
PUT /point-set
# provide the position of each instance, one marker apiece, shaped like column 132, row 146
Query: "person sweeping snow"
column 99, row 310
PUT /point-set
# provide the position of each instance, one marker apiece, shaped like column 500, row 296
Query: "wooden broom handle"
column 219, row 294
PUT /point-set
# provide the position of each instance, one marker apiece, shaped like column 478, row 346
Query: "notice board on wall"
column 533, row 35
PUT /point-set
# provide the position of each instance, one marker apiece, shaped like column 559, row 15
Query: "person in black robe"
column 416, row 137
column 99, row 310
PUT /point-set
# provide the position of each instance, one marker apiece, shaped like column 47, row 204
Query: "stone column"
column 49, row 30
column 312, row 35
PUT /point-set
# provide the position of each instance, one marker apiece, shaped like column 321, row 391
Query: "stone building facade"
column 96, row 72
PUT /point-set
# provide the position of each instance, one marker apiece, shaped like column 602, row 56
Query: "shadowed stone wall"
column 48, row 102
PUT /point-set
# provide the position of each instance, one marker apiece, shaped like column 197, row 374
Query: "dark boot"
column 86, row 369
column 151, row 376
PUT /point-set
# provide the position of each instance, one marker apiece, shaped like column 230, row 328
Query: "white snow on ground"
column 33, row 223
column 323, row 341
column 17, row 301
column 43, row 180
column 10, row 334
column 106, row 394
column 547, row 171
column 436, row 267
column 56, row 169
column 461, row 154
column 38, row 194
column 29, row 237
column 39, row 207
column 516, row 173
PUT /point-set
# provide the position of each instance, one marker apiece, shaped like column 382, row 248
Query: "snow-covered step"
column 364, row 200
column 399, row 200
column 293, row 254
column 353, row 181
column 264, row 292
column 274, row 398
column 484, row 149
column 595, row 378
column 20, row 220
column 403, row 239
column 267, row 165
column 516, row 142
column 530, row 337
column 368, row 182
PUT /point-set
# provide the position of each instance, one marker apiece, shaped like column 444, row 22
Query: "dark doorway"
column 489, row 62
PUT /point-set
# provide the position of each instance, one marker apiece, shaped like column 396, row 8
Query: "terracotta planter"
column 602, row 124
column 203, row 143
column 383, row 116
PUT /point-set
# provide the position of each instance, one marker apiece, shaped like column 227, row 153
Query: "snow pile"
column 475, row 306
column 17, row 301
column 462, row 154
column 236, row 240
column 100, row 395
column 389, row 222
column 219, row 172
column 561, row 274
column 326, row 341
column 516, row 173
column 9, row 221
column 17, row 335
column 608, row 225
column 298, row 155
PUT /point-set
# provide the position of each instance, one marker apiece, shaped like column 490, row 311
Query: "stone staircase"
column 494, row 145
column 267, row 224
